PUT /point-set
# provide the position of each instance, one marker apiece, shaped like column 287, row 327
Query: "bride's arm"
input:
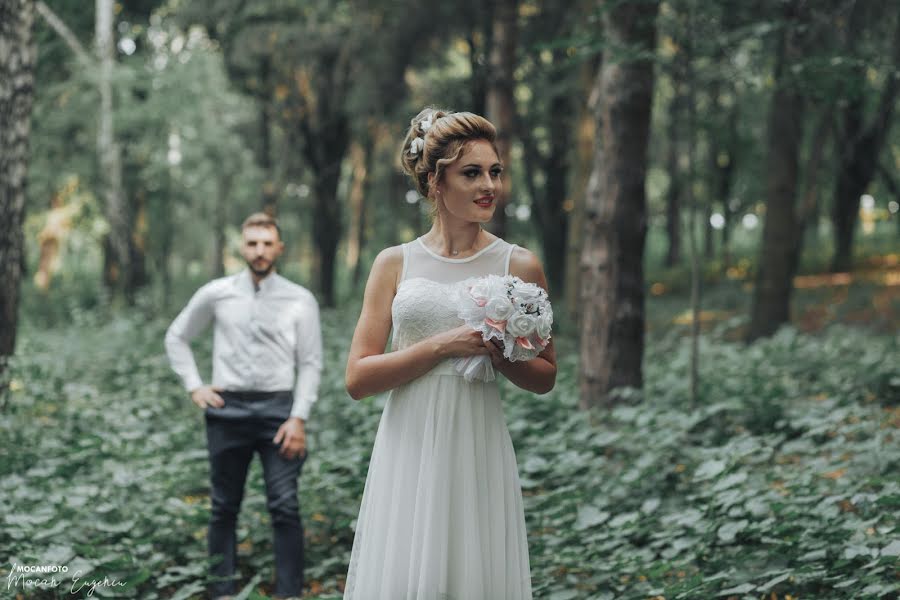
column 539, row 374
column 369, row 369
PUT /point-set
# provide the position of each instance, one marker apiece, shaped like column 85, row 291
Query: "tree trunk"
column 137, row 243
column 893, row 189
column 220, row 220
column 549, row 204
column 371, row 157
column 585, row 141
column 780, row 245
column 480, row 41
column 862, row 145
column 709, row 247
column 327, row 233
column 109, row 155
column 166, row 239
column 358, row 163
column 612, row 273
column 809, row 207
column 269, row 200
column 726, row 180
column 331, row 146
column 673, row 194
column 696, row 259
column 500, row 101
column 17, row 58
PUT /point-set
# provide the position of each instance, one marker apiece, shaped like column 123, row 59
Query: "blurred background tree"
column 769, row 121
column 17, row 55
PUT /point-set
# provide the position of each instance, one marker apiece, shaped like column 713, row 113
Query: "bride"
column 441, row 515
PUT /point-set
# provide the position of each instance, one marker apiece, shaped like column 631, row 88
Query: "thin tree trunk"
column 893, row 188
column 326, row 235
column 166, row 241
column 220, row 220
column 269, row 200
column 696, row 258
column 17, row 58
column 809, row 206
column 709, row 246
column 780, row 246
column 500, row 102
column 110, row 157
column 725, row 185
column 673, row 194
column 358, row 162
column 612, row 272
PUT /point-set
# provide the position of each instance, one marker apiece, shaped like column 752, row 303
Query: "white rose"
column 479, row 293
column 528, row 291
column 499, row 309
column 520, row 324
column 544, row 323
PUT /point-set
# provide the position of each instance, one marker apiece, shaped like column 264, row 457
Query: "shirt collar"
column 265, row 285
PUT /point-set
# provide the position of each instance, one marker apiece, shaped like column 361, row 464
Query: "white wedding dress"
column 441, row 515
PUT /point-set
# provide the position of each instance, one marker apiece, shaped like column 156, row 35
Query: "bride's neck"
column 453, row 239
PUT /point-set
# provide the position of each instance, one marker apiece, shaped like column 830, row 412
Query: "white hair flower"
column 416, row 146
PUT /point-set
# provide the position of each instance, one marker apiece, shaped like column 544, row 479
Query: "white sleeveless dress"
column 442, row 515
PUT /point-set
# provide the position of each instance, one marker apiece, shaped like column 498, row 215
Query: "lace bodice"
column 425, row 303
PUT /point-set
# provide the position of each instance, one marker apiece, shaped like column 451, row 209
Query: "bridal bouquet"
column 504, row 308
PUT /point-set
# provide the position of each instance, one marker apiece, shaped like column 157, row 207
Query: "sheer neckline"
column 457, row 260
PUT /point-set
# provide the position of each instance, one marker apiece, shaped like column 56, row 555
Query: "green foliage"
column 782, row 479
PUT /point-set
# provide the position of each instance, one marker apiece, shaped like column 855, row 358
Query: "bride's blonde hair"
column 444, row 134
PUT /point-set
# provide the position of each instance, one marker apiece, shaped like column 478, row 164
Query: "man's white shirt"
column 263, row 340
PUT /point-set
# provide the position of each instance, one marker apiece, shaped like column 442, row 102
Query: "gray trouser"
column 246, row 424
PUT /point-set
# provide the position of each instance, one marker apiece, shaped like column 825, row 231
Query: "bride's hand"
column 497, row 358
column 459, row 342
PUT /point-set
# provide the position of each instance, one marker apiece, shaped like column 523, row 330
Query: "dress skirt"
column 442, row 515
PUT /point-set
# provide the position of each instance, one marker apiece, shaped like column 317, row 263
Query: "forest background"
column 712, row 187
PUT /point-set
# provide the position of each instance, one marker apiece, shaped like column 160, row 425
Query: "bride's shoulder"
column 392, row 256
column 388, row 264
column 525, row 264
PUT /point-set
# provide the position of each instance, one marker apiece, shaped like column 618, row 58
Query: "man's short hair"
column 261, row 219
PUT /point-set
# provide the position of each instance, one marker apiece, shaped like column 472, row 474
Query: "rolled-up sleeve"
column 308, row 359
column 189, row 323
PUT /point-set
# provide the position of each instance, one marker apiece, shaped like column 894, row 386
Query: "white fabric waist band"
column 445, row 367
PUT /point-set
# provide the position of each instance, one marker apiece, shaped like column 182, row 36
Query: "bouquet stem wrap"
column 475, row 367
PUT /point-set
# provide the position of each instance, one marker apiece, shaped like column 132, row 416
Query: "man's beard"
column 261, row 272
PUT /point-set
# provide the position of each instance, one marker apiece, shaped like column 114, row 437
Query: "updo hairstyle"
column 448, row 133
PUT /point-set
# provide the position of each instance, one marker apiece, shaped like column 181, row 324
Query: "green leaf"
column 709, row 469
column 773, row 582
column 590, row 516
column 729, row 531
column 564, row 595
column 892, row 549
column 744, row 588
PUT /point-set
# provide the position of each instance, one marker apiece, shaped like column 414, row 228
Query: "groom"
column 267, row 355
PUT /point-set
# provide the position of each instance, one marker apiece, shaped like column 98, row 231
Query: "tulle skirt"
column 441, row 515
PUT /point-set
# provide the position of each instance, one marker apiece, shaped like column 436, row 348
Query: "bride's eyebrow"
column 479, row 166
